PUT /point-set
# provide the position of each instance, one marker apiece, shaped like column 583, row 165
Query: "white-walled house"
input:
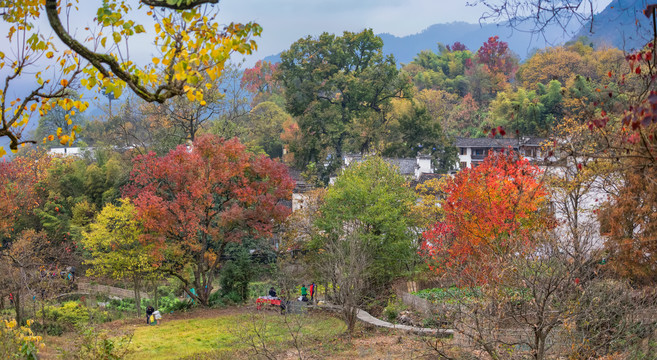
column 472, row 152
column 414, row 167
column 69, row 151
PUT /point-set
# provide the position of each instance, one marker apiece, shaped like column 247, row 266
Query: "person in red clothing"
column 311, row 289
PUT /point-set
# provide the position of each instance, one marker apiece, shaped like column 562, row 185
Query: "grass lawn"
column 227, row 334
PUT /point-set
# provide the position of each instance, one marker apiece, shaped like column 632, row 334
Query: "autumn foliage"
column 194, row 201
column 19, row 194
column 489, row 211
column 497, row 56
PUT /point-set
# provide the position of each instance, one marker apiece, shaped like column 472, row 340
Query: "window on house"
column 464, row 151
column 479, row 152
column 464, row 164
column 531, row 152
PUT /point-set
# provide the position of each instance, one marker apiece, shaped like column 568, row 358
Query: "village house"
column 472, row 152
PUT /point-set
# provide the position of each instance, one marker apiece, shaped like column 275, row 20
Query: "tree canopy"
column 187, row 35
column 371, row 201
column 339, row 87
column 194, row 201
column 489, row 210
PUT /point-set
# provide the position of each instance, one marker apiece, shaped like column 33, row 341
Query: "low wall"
column 109, row 290
column 416, row 303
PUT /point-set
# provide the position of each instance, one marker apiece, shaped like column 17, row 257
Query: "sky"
column 285, row 21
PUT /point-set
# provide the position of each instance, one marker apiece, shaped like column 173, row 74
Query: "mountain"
column 473, row 36
column 621, row 24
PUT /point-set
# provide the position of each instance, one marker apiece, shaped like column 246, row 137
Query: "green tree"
column 443, row 70
column 370, row 203
column 528, row 112
column 265, row 128
column 335, row 85
column 418, row 133
column 113, row 241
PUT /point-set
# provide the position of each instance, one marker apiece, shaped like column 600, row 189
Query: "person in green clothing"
column 304, row 293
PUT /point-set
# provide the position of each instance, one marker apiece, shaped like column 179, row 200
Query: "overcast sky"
column 285, row 21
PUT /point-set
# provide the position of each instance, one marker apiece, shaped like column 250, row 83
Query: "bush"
column 392, row 310
column 18, row 341
column 449, row 295
column 216, row 300
column 233, row 297
column 431, row 322
column 72, row 314
column 604, row 323
column 259, row 288
column 177, row 305
column 52, row 329
column 127, row 304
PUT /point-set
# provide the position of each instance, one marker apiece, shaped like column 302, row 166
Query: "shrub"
column 604, row 321
column 72, row 314
column 216, row 300
column 449, row 295
column 177, row 305
column 392, row 310
column 18, row 341
column 259, row 288
column 50, row 328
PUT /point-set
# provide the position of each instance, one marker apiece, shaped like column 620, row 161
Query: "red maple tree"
column 194, row 201
column 490, row 210
column 19, row 193
column 260, row 78
column 497, row 56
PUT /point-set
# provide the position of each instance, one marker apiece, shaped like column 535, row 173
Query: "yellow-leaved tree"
column 188, row 44
column 113, row 241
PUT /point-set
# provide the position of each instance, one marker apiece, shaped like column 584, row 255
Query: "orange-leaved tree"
column 489, row 211
column 194, row 201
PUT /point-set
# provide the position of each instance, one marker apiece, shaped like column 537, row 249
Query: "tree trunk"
column 137, row 296
column 350, row 317
column 17, row 307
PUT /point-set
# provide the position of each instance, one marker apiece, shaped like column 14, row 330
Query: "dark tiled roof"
column 406, row 166
column 300, row 185
column 497, row 143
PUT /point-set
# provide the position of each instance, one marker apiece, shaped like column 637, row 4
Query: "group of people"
column 152, row 316
column 305, row 291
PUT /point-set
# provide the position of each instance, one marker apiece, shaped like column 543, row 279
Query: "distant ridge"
column 473, row 36
column 621, row 24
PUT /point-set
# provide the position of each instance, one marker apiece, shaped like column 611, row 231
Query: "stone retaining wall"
column 109, row 290
column 416, row 303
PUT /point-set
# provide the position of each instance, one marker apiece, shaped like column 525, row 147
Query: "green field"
column 227, row 334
